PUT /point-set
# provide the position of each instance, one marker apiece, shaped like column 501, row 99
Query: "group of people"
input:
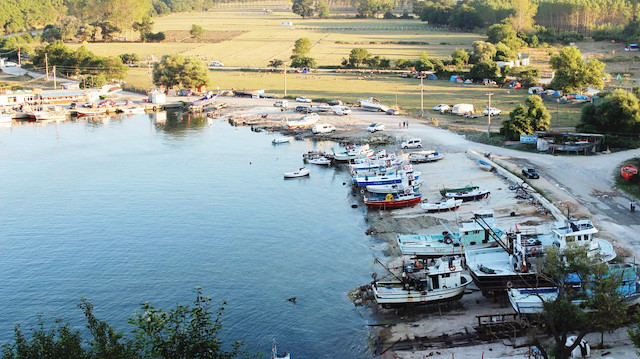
column 403, row 124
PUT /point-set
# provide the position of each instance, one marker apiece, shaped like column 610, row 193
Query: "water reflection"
column 180, row 124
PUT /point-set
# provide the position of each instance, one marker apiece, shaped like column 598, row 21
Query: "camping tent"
column 455, row 78
column 432, row 77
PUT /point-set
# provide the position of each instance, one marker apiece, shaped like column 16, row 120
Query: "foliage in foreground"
column 188, row 331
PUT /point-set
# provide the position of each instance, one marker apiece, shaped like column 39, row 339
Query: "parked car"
column 442, row 107
column 281, row 104
column 412, row 143
column 341, row 110
column 530, row 173
column 492, row 110
column 322, row 128
column 303, row 109
column 335, row 103
column 393, row 112
column 374, row 127
column 216, row 64
column 462, row 109
column 303, row 99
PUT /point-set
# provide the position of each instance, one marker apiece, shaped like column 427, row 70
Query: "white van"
column 462, row 109
column 322, row 128
column 412, row 143
column 281, row 104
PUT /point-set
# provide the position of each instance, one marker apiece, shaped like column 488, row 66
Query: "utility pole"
column 55, row 84
column 421, row 96
column 285, row 78
column 489, row 111
column 46, row 65
column 19, row 56
column 396, row 97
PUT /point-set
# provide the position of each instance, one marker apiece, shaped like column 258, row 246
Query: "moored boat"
column 301, row 172
column 392, row 201
column 403, row 187
column 441, row 282
column 451, row 204
column 280, row 140
column 354, row 152
column 81, row 111
column 54, row 113
column 5, row 118
column 132, row 110
column 320, row 161
column 444, row 192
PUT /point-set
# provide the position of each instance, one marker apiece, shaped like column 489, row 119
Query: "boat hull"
column 502, row 282
column 390, row 294
column 392, row 204
column 450, row 205
column 467, row 197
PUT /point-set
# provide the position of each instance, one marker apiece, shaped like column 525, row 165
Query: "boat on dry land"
column 467, row 196
column 449, row 205
column 392, row 201
column 426, row 156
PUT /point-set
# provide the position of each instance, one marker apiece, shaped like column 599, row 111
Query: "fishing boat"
column 53, row 113
column 277, row 141
column 320, row 161
column 385, row 179
column 380, row 160
column 90, row 111
column 304, row 122
column 441, row 282
column 131, row 110
column 316, row 154
column 485, row 166
column 301, row 172
column 426, row 156
column 392, row 201
column 444, row 192
column 5, row 118
column 275, row 355
column 480, row 232
column 354, row 152
column 628, row 171
column 530, row 300
column 402, row 187
column 449, row 205
column 467, row 196
column 372, row 104
column 517, row 263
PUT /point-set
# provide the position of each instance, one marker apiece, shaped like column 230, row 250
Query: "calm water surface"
column 132, row 209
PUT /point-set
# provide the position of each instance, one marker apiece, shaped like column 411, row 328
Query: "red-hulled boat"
column 628, row 171
column 391, row 201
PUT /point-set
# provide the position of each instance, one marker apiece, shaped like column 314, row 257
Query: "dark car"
column 303, row 109
column 530, row 173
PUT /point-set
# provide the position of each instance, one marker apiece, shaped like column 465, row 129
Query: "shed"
column 157, row 97
column 432, row 77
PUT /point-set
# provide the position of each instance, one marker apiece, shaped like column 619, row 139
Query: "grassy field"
column 262, row 38
column 351, row 87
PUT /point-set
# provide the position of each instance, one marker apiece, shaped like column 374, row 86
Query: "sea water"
column 140, row 208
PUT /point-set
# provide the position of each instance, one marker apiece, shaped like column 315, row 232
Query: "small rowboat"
column 628, row 171
column 302, row 172
column 468, row 195
column 320, row 161
column 391, row 201
column 448, row 205
column 280, row 140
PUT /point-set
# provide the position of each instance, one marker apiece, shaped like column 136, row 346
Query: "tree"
column 275, row 63
column 484, row 70
column 178, row 70
column 523, row 13
column 358, row 56
column 86, row 32
column 482, row 52
column 517, row 124
column 196, row 31
column 460, row 57
column 371, row 8
column 109, row 29
column 572, row 73
column 144, row 27
column 504, row 53
column 322, row 9
column 465, row 17
column 302, row 47
column 506, row 34
column 303, row 62
column 129, row 59
column 617, row 111
column 303, row 8
column 529, row 77
column 537, row 113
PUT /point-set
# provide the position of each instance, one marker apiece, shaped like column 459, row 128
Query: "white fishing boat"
column 5, row 118
column 320, row 161
column 132, row 110
column 449, row 205
column 426, row 156
column 384, row 179
column 380, row 160
column 441, row 282
column 353, row 152
column 467, row 196
column 480, row 232
column 301, row 172
column 403, row 187
column 279, row 140
column 530, row 300
column 275, row 355
column 372, row 104
column 305, row 122
column 53, row 113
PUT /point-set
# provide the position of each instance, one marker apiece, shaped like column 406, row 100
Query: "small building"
column 580, row 143
column 58, row 97
column 11, row 98
column 72, row 85
column 286, row 23
column 524, row 59
column 157, row 97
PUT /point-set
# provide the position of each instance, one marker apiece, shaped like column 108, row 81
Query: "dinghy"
column 302, row 172
column 628, row 171
column 277, row 141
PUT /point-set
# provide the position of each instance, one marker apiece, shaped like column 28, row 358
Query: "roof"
column 62, row 93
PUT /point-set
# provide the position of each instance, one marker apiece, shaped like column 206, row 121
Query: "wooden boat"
column 485, row 166
column 449, row 205
column 277, row 141
column 320, row 161
column 628, row 171
column 444, row 192
column 392, row 201
column 302, row 172
column 441, row 282
column 467, row 196
column 426, row 156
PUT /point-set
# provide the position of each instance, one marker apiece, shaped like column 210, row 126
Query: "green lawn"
column 264, row 38
column 351, row 87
